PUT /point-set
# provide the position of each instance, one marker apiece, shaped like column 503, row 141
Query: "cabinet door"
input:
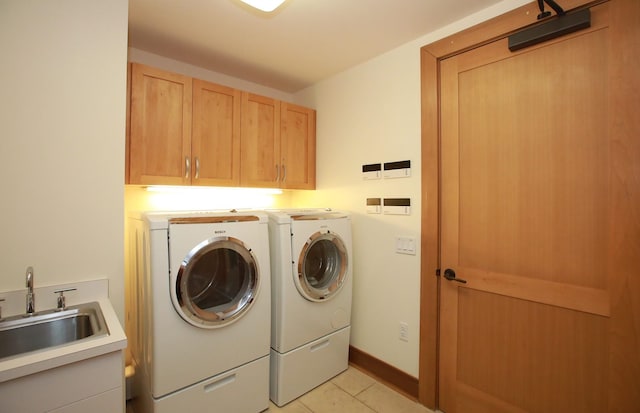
column 215, row 142
column 298, row 147
column 260, row 142
column 160, row 135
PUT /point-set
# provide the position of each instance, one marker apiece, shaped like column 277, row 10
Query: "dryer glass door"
column 322, row 266
column 217, row 282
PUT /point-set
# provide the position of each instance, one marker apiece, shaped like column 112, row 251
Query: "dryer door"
column 322, row 266
column 216, row 283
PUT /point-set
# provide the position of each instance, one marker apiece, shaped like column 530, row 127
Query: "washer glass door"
column 217, row 282
column 322, row 266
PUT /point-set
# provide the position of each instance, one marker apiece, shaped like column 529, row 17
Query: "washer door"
column 322, row 266
column 217, row 283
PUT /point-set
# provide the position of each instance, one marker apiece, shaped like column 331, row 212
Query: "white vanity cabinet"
column 93, row 385
column 83, row 376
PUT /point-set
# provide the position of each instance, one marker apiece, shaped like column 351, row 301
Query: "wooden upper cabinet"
column 260, row 141
column 185, row 131
column 278, row 144
column 297, row 147
column 160, row 127
column 215, row 145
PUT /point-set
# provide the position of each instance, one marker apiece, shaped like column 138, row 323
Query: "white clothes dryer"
column 203, row 311
column 311, row 299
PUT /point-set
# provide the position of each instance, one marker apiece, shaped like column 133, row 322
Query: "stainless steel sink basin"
column 47, row 329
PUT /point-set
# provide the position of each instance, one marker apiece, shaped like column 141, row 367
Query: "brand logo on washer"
column 219, row 231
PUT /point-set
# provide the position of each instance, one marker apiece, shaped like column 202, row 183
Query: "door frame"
column 430, row 57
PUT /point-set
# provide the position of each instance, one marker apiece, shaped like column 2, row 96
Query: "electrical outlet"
column 404, row 332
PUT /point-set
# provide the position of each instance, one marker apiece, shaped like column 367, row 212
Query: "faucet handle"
column 62, row 301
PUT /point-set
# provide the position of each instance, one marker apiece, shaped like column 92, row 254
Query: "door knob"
column 450, row 275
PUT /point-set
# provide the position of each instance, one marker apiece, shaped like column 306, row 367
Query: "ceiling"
column 301, row 43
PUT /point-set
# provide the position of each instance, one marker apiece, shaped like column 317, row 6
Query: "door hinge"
column 438, row 272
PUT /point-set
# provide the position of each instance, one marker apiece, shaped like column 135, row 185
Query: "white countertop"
column 37, row 361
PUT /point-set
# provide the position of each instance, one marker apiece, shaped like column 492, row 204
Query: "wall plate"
column 406, row 245
column 374, row 205
column 397, row 206
column 372, row 171
column 399, row 169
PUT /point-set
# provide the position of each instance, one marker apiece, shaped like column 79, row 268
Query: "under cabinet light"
column 210, row 198
column 264, row 5
column 212, row 189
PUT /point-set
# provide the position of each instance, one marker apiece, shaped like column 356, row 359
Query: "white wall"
column 370, row 114
column 62, row 124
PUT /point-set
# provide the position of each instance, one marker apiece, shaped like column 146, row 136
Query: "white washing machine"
column 311, row 299
column 203, row 312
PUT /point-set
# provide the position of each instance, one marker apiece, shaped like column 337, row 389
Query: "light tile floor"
column 351, row 392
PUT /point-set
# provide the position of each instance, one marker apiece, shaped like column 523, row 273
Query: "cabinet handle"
column 277, row 173
column 284, row 173
column 197, row 168
column 187, row 165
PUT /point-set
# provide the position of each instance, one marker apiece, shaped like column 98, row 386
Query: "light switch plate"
column 406, row 245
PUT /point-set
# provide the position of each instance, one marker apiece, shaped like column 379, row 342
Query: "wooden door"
column 215, row 144
column 540, row 196
column 297, row 147
column 160, row 127
column 260, row 141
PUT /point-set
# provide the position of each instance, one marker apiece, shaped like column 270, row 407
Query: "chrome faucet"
column 31, row 300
